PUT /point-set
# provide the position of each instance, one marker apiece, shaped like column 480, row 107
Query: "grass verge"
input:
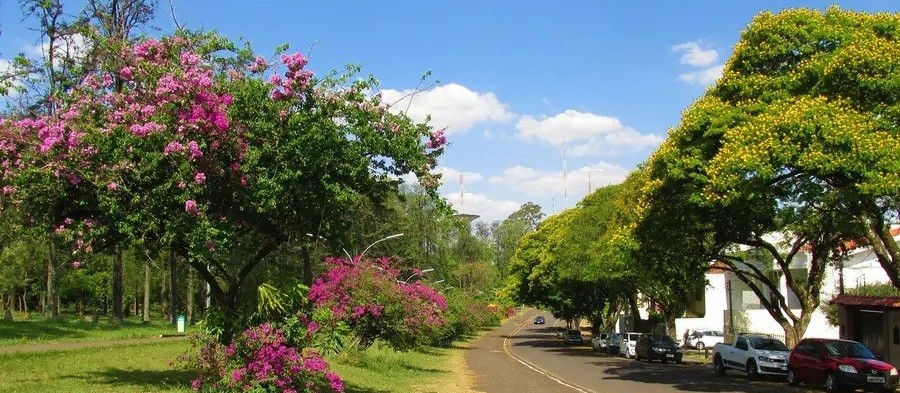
column 75, row 330
column 380, row 369
column 134, row 368
column 152, row 368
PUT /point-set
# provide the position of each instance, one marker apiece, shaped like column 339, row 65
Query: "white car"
column 599, row 341
column 702, row 338
column 755, row 355
column 628, row 343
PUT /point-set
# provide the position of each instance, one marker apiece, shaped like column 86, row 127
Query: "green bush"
column 465, row 316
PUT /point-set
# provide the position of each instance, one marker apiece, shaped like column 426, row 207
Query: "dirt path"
column 25, row 348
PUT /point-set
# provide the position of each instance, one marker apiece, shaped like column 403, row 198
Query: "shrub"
column 465, row 315
column 368, row 296
column 259, row 360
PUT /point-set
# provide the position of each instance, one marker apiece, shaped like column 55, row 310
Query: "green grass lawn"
column 153, row 367
column 72, row 329
column 134, row 368
column 380, row 369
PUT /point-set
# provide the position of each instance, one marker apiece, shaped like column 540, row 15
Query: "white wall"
column 716, row 303
column 762, row 322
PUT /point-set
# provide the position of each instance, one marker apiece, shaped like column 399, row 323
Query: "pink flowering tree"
column 222, row 159
column 369, row 296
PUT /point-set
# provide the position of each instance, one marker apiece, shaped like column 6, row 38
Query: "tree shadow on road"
column 691, row 378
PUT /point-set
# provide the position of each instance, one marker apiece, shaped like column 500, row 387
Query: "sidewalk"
column 41, row 347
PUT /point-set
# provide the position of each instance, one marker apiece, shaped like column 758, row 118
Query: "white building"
column 710, row 309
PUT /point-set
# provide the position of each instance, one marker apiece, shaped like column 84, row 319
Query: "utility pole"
column 589, row 180
column 565, row 176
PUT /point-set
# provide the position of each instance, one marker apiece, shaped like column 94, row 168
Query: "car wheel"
column 637, row 356
column 791, row 378
column 831, row 384
column 752, row 371
column 700, row 345
column 719, row 366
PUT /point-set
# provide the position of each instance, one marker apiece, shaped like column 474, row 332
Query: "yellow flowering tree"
column 798, row 137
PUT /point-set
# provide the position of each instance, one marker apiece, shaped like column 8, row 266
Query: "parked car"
column 702, row 338
column 627, row 344
column 613, row 341
column 657, row 347
column 839, row 365
column 600, row 341
column 573, row 336
column 755, row 355
column 539, row 320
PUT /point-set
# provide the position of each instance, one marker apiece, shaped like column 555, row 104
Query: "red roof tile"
column 868, row 301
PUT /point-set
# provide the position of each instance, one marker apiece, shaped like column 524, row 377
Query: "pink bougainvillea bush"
column 370, row 297
column 259, row 360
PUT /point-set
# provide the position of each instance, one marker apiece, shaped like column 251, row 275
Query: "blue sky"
column 518, row 80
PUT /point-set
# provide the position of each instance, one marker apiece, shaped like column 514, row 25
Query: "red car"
column 839, row 365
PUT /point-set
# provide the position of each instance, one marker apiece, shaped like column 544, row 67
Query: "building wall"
column 861, row 268
column 716, row 304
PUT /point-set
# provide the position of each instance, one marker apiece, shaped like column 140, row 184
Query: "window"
column 741, row 344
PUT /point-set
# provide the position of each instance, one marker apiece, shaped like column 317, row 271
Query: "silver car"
column 628, row 344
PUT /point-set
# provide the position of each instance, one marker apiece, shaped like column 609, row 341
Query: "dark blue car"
column 538, row 320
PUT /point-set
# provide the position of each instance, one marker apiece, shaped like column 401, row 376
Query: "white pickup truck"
column 755, row 355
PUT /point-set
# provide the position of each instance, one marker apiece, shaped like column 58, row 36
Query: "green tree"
column 773, row 146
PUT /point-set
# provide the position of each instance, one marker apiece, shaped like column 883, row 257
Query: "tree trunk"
column 117, row 287
column 307, row 266
column 189, row 310
column 635, row 312
column 147, row 276
column 173, row 288
column 164, row 296
column 52, row 308
column 670, row 326
column 7, row 313
column 596, row 322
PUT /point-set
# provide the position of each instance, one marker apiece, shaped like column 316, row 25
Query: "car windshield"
column 768, row 344
column 849, row 349
column 574, row 332
column 615, row 336
column 660, row 339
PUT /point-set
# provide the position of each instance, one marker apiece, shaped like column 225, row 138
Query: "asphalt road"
column 522, row 357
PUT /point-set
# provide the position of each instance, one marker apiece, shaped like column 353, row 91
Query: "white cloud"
column 703, row 77
column 486, row 208
column 585, row 133
column 8, row 79
column 453, row 106
column 534, row 182
column 693, row 54
column 73, row 46
column 450, row 176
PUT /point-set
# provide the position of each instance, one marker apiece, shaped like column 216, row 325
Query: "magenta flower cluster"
column 260, row 360
column 371, row 298
column 296, row 79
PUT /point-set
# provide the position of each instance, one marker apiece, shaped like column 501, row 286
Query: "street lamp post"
column 417, row 274
column 319, row 237
column 394, row 236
